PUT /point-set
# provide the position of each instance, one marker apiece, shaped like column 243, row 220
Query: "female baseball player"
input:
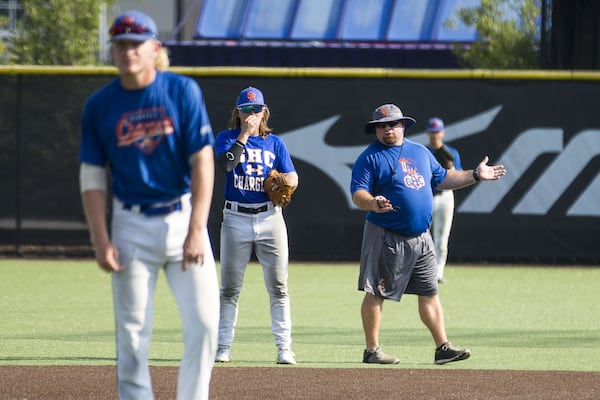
column 151, row 127
column 247, row 152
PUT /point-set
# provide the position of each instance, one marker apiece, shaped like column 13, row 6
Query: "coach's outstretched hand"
column 489, row 172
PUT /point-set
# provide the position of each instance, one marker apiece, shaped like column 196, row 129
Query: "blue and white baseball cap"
column 251, row 96
column 435, row 124
column 133, row 25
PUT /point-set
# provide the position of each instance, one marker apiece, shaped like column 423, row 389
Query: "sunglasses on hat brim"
column 125, row 27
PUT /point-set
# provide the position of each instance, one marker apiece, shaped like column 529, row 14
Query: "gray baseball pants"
column 265, row 233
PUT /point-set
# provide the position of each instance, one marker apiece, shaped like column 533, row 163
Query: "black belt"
column 437, row 193
column 154, row 210
column 248, row 210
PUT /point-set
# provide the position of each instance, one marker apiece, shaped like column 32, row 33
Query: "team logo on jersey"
column 412, row 179
column 144, row 129
column 253, row 163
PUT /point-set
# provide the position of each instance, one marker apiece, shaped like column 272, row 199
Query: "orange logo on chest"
column 144, row 129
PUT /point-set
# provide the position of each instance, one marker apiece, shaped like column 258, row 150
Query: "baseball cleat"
column 223, row 354
column 285, row 356
column 376, row 356
column 448, row 353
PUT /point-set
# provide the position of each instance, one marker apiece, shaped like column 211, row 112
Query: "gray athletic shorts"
column 391, row 264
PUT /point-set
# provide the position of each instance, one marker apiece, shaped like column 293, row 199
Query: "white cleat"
column 285, row 356
column 223, row 354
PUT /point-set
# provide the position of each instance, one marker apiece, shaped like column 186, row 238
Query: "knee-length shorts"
column 392, row 264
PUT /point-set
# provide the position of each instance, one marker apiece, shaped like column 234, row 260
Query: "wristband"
column 236, row 150
column 92, row 177
column 476, row 175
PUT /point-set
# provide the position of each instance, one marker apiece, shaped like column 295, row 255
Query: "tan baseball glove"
column 278, row 188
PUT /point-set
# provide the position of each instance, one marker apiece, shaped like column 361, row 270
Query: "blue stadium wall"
column 544, row 127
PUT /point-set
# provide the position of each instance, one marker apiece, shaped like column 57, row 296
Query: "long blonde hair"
column 162, row 61
column 263, row 129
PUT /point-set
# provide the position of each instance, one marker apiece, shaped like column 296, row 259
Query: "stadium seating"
column 369, row 21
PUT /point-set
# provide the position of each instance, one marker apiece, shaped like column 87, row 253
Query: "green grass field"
column 512, row 318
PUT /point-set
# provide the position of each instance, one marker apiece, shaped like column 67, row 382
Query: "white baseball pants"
column 443, row 213
column 147, row 245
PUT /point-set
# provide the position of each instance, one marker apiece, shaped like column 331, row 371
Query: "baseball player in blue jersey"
column 443, row 200
column 151, row 129
column 247, row 152
column 392, row 180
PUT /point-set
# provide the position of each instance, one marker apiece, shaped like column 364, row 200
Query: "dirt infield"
column 284, row 382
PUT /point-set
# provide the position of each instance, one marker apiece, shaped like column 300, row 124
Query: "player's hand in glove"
column 278, row 188
column 444, row 157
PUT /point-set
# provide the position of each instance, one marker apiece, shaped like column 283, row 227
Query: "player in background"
column 150, row 129
column 247, row 151
column 392, row 179
column 443, row 200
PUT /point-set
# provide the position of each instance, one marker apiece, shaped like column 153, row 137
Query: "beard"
column 392, row 140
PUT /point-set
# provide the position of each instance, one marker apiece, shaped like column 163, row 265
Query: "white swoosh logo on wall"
column 570, row 161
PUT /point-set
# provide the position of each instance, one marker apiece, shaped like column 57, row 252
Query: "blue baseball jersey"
column 405, row 175
column 146, row 136
column 245, row 182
